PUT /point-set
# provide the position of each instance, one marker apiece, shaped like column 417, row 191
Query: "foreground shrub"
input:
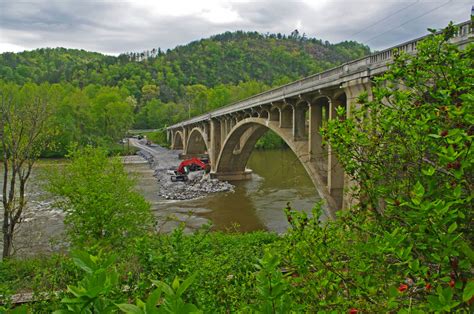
column 407, row 246
column 100, row 200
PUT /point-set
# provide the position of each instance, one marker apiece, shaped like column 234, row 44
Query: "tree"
column 409, row 152
column 149, row 92
column 25, row 133
column 100, row 200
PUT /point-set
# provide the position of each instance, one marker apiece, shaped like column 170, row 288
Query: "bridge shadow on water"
column 258, row 204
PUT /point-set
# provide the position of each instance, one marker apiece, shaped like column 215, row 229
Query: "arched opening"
column 196, row 143
column 178, row 140
column 264, row 114
column 240, row 143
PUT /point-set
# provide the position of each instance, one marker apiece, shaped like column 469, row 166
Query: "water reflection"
column 258, row 203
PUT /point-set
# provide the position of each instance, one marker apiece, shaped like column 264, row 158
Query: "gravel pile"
column 163, row 160
column 191, row 189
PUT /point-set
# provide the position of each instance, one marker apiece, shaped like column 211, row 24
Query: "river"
column 257, row 204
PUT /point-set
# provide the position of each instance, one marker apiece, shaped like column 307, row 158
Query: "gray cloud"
column 115, row 27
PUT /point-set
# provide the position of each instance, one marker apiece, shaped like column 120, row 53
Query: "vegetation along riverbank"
column 405, row 247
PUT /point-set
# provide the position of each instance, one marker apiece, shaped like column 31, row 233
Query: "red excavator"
column 187, row 166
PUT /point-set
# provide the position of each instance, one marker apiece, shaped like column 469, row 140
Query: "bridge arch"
column 197, row 143
column 178, row 140
column 241, row 141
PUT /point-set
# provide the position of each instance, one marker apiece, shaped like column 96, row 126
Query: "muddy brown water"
column 256, row 204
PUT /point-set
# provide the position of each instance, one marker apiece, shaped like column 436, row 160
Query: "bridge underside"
column 229, row 139
column 296, row 112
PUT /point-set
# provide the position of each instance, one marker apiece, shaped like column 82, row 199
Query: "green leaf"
column 468, row 292
column 83, row 261
column 189, row 308
column 152, row 301
column 185, row 284
column 429, row 171
column 130, row 308
column 175, row 284
column 453, row 227
column 419, row 189
column 163, row 287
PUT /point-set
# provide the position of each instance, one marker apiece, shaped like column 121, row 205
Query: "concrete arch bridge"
column 295, row 112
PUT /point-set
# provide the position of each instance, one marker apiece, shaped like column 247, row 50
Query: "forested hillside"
column 164, row 87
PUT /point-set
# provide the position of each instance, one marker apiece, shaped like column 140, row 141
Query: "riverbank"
column 253, row 205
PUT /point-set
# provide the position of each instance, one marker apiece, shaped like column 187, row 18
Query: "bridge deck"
column 364, row 67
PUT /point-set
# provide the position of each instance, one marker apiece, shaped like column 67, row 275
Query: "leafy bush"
column 407, row 245
column 100, row 200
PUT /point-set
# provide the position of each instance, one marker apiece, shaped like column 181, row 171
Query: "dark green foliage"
column 270, row 140
column 94, row 115
column 228, row 58
column 164, row 88
column 223, row 264
column 94, row 293
column 407, row 245
column 158, row 137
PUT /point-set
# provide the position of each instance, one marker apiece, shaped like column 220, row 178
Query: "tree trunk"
column 7, row 237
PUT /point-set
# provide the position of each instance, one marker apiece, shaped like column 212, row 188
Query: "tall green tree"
column 25, row 132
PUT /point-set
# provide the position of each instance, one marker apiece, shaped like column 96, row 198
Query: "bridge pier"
column 286, row 116
column 216, row 140
column 233, row 176
column 299, row 121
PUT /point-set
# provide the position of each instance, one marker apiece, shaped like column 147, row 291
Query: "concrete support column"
column 215, row 145
column 185, row 139
column 335, row 170
column 315, row 148
column 171, row 140
column 299, row 123
column 286, row 116
column 222, row 133
column 227, row 126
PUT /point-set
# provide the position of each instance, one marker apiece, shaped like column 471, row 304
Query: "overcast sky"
column 113, row 27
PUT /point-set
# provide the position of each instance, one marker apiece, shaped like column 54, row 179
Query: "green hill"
column 189, row 79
